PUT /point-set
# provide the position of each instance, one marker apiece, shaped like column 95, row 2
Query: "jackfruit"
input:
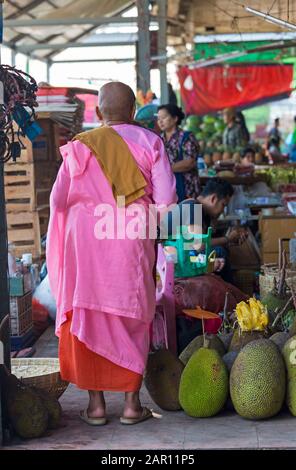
column 228, row 360
column 280, row 338
column 226, row 339
column 204, row 384
column 53, row 407
column 274, row 304
column 198, row 342
column 241, row 338
column 258, row 380
column 277, row 298
column 289, row 353
column 26, row 411
column 162, row 379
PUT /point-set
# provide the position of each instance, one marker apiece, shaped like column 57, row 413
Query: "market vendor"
column 101, row 277
column 182, row 149
column 214, row 198
column 232, row 136
column 274, row 135
column 248, row 156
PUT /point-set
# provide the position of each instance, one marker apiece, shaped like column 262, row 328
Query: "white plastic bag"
column 44, row 296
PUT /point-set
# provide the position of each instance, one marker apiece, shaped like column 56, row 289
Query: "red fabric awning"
column 210, row 89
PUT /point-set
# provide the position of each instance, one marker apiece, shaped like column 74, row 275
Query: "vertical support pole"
column 4, row 293
column 162, row 45
column 48, row 67
column 13, row 57
column 143, row 59
column 27, row 64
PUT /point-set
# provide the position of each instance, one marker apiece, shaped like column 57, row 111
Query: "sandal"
column 146, row 414
column 92, row 421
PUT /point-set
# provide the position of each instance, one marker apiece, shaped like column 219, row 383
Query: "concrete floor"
column 175, row 430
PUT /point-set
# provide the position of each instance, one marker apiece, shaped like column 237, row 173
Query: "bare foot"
column 96, row 407
column 132, row 407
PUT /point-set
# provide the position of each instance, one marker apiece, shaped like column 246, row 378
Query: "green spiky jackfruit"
column 289, row 353
column 258, row 380
column 280, row 338
column 27, row 412
column 162, row 379
column 241, row 338
column 198, row 342
column 204, row 384
column 53, row 407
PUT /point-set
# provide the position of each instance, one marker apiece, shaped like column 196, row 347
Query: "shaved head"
column 116, row 101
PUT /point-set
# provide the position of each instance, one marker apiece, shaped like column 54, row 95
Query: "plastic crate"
column 19, row 286
column 185, row 266
column 21, row 314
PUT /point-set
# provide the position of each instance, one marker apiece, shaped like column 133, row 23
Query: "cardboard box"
column 268, row 258
column 272, row 228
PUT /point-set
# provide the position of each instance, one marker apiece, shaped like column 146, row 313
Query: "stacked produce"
column 280, row 177
column 208, row 130
column 248, row 367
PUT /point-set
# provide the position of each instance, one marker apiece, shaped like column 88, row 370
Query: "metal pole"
column 127, row 40
column 37, row 22
column 143, row 65
column 4, row 293
column 13, row 57
column 28, row 64
column 48, row 67
column 162, row 45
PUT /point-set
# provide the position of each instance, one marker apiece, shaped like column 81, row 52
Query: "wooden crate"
column 28, row 185
column 25, row 233
column 19, row 187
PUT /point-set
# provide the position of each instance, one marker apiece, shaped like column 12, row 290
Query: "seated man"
column 248, row 156
column 214, row 198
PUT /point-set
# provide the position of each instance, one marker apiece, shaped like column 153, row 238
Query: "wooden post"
column 162, row 45
column 143, row 55
column 4, row 294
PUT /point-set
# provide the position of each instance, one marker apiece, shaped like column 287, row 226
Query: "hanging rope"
column 19, row 92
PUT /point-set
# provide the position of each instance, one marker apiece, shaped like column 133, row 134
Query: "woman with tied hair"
column 182, row 149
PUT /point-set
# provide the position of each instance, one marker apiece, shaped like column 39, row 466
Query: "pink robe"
column 107, row 283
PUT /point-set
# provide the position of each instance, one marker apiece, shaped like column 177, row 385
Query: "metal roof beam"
column 98, row 21
column 76, row 61
column 26, row 49
column 85, row 33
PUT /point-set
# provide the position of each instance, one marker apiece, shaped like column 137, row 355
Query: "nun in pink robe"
column 105, row 287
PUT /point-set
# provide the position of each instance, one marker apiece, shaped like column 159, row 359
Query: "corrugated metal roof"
column 55, row 9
